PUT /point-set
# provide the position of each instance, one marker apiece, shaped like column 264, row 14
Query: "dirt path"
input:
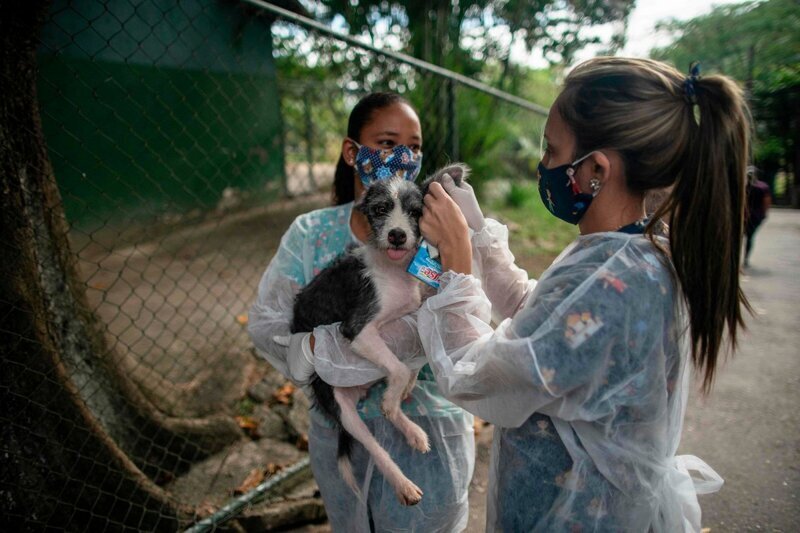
column 748, row 430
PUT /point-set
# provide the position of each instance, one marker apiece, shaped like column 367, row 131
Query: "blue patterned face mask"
column 380, row 164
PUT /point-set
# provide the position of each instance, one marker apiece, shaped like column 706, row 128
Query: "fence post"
column 452, row 121
column 309, row 131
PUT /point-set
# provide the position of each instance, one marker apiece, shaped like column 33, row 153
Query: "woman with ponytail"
column 587, row 373
column 380, row 122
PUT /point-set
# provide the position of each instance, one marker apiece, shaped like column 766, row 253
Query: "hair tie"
column 690, row 81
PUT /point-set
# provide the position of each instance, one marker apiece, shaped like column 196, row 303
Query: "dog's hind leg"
column 369, row 345
column 407, row 492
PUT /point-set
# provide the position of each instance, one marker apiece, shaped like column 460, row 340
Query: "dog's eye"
column 381, row 210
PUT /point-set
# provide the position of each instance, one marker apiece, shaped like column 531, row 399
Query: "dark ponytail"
column 705, row 211
column 360, row 116
column 645, row 110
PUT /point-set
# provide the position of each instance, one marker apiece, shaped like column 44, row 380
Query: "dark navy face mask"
column 560, row 192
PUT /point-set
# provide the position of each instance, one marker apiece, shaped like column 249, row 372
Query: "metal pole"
column 235, row 506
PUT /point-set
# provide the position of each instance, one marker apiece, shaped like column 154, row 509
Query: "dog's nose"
column 397, row 237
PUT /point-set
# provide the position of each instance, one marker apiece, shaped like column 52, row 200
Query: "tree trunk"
column 82, row 445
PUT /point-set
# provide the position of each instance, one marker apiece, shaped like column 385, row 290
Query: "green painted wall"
column 154, row 111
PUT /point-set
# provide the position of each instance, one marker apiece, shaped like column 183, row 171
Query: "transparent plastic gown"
column 586, row 377
column 310, row 244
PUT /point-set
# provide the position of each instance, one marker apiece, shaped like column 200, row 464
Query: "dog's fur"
column 364, row 289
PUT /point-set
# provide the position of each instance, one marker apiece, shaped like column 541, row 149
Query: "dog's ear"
column 458, row 171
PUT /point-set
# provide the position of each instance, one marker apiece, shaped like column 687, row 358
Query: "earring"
column 594, row 184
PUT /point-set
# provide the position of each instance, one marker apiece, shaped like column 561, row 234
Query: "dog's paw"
column 417, row 438
column 408, row 493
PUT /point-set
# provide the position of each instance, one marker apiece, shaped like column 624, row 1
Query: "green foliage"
column 536, row 236
column 758, row 44
column 519, row 194
column 462, row 35
column 499, row 140
column 245, row 407
column 746, row 41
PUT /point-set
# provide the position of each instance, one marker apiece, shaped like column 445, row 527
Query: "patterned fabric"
column 376, row 164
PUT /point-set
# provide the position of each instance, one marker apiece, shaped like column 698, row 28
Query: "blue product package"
column 424, row 267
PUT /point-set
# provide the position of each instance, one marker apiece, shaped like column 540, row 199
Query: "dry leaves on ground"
column 256, row 477
column 284, row 394
column 249, row 425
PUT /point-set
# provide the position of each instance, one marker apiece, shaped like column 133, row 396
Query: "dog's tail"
column 326, row 402
column 345, row 464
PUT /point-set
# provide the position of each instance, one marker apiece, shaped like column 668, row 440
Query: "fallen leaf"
column 247, row 422
column 272, row 469
column 249, row 425
column 252, row 480
column 284, row 394
column 242, row 319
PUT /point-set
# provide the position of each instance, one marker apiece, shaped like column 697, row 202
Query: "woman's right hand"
column 444, row 226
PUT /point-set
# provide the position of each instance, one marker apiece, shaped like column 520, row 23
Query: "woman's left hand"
column 444, row 226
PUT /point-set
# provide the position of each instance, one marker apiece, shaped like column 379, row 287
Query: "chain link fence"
column 184, row 137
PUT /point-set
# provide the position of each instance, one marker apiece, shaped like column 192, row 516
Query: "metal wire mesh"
column 184, row 137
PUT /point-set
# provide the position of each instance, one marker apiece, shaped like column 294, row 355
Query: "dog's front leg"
column 369, row 345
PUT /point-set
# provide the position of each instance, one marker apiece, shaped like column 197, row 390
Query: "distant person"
column 758, row 201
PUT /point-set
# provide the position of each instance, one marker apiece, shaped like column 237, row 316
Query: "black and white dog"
column 365, row 288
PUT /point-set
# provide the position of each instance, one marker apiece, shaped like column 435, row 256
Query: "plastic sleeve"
column 506, row 285
column 553, row 357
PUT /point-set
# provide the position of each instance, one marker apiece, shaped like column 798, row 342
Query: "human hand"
column 443, row 225
column 300, row 357
column 464, row 197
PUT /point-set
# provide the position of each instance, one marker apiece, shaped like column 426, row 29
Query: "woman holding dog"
column 380, row 125
column 586, row 375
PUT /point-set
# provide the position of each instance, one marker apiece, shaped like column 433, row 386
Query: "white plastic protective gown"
column 585, row 377
column 443, row 474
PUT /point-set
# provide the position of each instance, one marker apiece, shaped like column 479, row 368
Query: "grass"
column 535, row 236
